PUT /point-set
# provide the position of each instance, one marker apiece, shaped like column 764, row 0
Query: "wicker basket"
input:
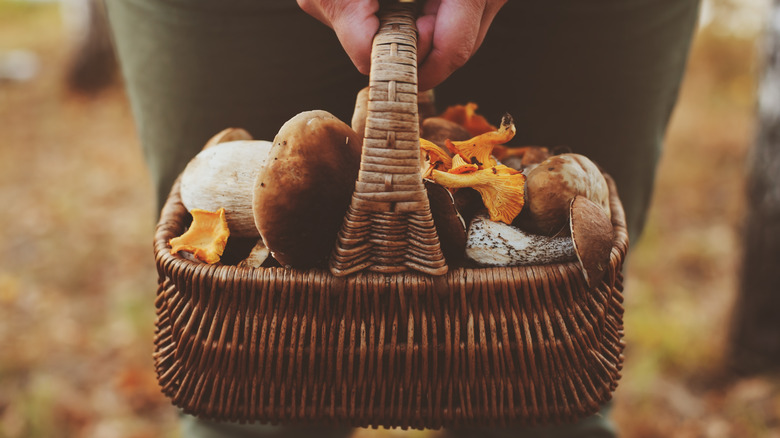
column 388, row 336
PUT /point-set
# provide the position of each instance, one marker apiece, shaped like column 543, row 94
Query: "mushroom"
column 426, row 104
column 302, row 194
column 551, row 186
column 257, row 256
column 360, row 113
column 228, row 134
column 223, row 176
column 450, row 226
column 521, row 158
column 478, row 149
column 467, row 117
column 438, row 130
column 491, row 243
column 433, row 157
column 205, row 238
column 501, row 189
column 592, row 234
column 468, row 202
column 459, row 165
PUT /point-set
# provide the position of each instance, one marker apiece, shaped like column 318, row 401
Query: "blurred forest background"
column 77, row 278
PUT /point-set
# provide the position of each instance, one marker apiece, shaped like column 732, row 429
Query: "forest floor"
column 77, row 278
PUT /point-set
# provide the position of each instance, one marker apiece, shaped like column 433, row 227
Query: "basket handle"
column 388, row 227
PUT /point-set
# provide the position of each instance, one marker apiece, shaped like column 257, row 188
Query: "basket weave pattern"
column 475, row 346
column 389, row 227
column 426, row 348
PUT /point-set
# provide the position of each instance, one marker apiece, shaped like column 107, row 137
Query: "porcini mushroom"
column 551, row 186
column 426, row 104
column 206, row 237
column 521, row 158
column 302, row 194
column 491, row 243
column 450, row 225
column 223, row 176
column 228, row 134
column 257, row 256
column 439, row 130
column 360, row 113
column 592, row 234
column 501, row 189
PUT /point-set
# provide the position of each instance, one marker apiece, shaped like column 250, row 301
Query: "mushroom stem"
column 491, row 243
column 257, row 256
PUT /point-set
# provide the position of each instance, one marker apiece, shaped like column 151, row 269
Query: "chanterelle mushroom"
column 467, row 117
column 459, row 165
column 433, row 157
column 206, row 237
column 477, row 150
column 501, row 189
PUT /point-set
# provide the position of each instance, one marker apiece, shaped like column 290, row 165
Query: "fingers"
column 450, row 32
column 354, row 22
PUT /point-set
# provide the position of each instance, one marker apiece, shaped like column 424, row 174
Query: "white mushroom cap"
column 223, row 176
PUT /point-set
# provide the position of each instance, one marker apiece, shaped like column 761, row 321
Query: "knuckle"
column 460, row 57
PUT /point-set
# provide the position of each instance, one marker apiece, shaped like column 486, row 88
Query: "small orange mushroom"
column 459, row 165
column 433, row 157
column 467, row 117
column 478, row 150
column 206, row 238
column 501, row 188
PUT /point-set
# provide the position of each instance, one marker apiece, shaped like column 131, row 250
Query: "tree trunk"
column 755, row 342
column 93, row 64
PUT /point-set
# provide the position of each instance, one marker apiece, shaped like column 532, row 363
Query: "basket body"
column 528, row 345
column 389, row 335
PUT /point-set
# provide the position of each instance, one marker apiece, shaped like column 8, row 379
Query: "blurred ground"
column 77, row 276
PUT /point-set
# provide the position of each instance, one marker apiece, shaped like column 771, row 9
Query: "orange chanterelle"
column 206, row 238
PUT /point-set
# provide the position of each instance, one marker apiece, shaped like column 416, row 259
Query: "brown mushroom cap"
column 450, row 226
column 469, row 203
column 553, row 183
column 426, row 104
column 593, row 236
column 228, row 134
column 437, row 130
column 302, row 194
column 360, row 113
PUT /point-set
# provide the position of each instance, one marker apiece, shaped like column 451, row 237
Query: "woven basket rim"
column 171, row 225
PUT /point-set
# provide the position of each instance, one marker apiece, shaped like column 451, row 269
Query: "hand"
column 450, row 32
column 355, row 23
